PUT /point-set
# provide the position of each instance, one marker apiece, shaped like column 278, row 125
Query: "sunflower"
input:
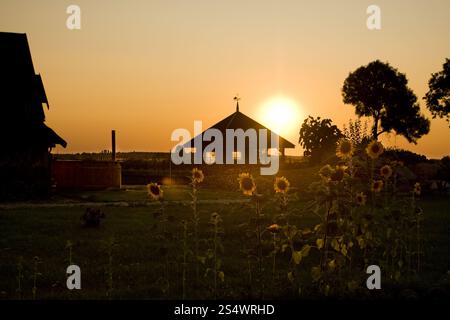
column 154, row 191
column 386, row 171
column 374, row 149
column 281, row 185
column 326, row 171
column 246, row 184
column 344, row 148
column 215, row 218
column 361, row 198
column 417, row 188
column 338, row 174
column 396, row 163
column 197, row 175
column 377, row 185
column 274, row 228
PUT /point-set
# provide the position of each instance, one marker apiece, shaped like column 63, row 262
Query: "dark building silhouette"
column 25, row 140
column 238, row 120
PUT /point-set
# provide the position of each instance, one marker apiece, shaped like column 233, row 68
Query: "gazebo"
column 236, row 121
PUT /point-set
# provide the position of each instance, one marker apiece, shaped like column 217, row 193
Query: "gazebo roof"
column 238, row 120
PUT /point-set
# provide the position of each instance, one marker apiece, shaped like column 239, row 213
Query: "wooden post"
column 170, row 167
column 113, row 141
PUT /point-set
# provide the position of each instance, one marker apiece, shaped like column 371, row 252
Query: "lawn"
column 137, row 262
column 138, row 193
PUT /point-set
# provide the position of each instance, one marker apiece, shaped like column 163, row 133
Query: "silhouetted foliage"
column 317, row 136
column 444, row 169
column 92, row 217
column 438, row 97
column 380, row 91
column 357, row 132
column 405, row 156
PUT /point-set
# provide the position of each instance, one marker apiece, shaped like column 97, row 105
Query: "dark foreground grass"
column 138, row 193
column 138, row 260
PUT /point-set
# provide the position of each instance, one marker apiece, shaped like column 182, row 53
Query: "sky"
column 148, row 67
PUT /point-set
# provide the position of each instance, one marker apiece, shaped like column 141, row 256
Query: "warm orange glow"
column 154, row 66
column 281, row 115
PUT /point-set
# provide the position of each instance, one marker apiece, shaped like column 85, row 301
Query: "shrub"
column 407, row 157
column 92, row 217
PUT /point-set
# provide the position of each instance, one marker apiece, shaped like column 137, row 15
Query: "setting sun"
column 281, row 114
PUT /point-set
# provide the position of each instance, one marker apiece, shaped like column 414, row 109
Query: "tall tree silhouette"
column 438, row 97
column 379, row 91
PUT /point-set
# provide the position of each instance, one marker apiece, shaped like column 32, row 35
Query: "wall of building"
column 86, row 174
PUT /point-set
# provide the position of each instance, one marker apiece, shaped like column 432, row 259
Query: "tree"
column 444, row 169
column 381, row 92
column 317, row 136
column 438, row 97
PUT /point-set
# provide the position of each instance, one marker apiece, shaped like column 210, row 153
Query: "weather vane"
column 237, row 98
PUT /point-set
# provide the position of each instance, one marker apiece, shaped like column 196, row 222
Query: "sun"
column 280, row 114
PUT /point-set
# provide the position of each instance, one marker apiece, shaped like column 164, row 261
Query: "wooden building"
column 25, row 140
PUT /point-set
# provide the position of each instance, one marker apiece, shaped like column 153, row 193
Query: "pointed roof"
column 238, row 120
column 22, row 94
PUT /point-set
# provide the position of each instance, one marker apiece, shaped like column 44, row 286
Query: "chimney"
column 113, row 141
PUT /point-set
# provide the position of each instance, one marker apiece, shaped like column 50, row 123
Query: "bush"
column 444, row 169
column 407, row 157
column 92, row 217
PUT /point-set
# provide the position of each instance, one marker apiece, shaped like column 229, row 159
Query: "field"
column 126, row 257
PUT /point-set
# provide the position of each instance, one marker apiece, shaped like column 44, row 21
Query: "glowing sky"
column 145, row 68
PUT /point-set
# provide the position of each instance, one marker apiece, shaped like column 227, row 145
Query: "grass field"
column 138, row 261
column 139, row 193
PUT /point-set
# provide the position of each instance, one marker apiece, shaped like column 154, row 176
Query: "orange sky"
column 145, row 68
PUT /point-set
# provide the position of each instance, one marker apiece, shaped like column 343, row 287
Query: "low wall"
column 86, row 174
